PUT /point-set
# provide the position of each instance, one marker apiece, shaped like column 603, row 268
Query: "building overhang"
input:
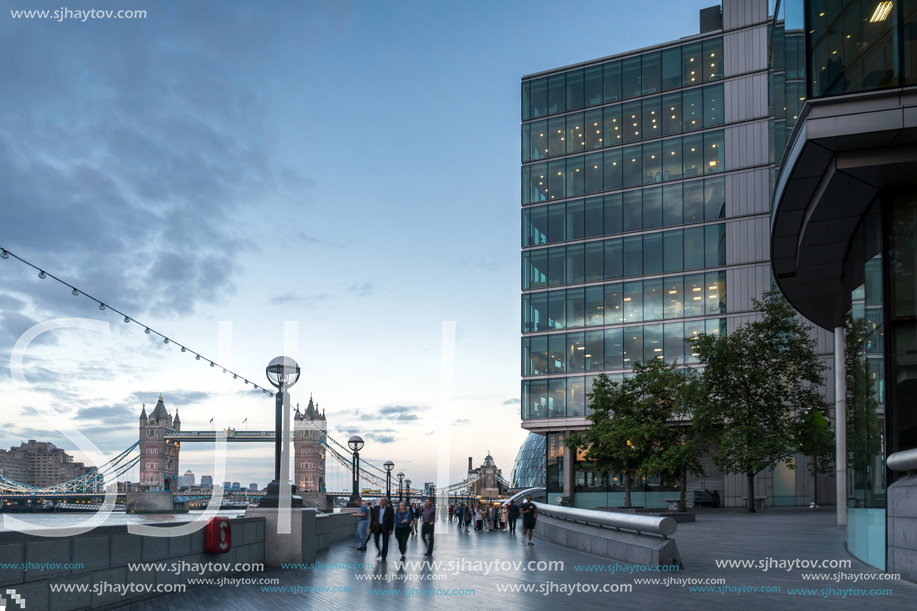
column 842, row 153
column 549, row 425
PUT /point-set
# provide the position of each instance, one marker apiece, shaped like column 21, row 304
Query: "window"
column 652, row 299
column 594, row 173
column 556, row 222
column 576, row 392
column 694, row 201
column 652, row 253
column 713, row 59
column 693, row 154
column 612, row 81
column 713, row 152
column 694, row 247
column 633, row 210
column 633, row 166
column 612, row 133
column 614, row 170
column 593, row 129
column 556, row 93
column 671, row 159
column 535, row 268
column 671, row 68
column 556, row 173
column 557, row 390
column 633, row 301
column 576, row 308
column 652, row 163
column 714, row 199
column 557, row 353
column 614, row 348
column 576, row 264
column 694, row 295
column 556, row 266
column 595, row 350
column 691, row 63
column 713, row 105
column 614, row 259
column 535, row 226
column 595, row 304
column 671, row 114
column 715, row 289
column 693, row 109
column 614, row 304
column 594, row 215
column 613, row 214
column 539, row 98
column 673, row 298
column 633, row 345
column 632, row 120
column 594, row 261
column 652, row 73
column 557, row 309
column 671, row 201
column 575, row 138
column 592, row 85
column 575, row 229
column 576, row 347
column 556, row 136
column 673, row 247
column 674, row 342
column 575, row 98
column 631, row 72
column 652, row 208
column 651, row 110
column 715, row 245
column 652, row 343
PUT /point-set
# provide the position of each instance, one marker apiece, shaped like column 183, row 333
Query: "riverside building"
column 646, row 191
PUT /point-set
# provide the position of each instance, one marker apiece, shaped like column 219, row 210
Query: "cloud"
column 175, row 398
column 400, row 409
column 461, row 421
column 301, row 301
column 512, row 402
column 364, row 289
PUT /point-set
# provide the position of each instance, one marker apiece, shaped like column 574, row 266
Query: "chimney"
column 469, row 463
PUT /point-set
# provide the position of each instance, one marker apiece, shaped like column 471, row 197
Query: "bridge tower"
column 309, row 429
column 158, row 455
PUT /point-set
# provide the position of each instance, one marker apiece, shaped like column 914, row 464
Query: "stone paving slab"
column 718, row 534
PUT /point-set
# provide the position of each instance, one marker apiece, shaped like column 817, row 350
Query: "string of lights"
column 76, row 292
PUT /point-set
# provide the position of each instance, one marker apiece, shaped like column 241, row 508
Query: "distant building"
column 309, row 433
column 39, row 464
column 206, row 481
column 236, row 487
column 187, row 478
column 253, row 487
column 529, row 468
column 488, row 486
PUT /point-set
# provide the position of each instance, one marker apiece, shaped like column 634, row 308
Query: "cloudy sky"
column 351, row 166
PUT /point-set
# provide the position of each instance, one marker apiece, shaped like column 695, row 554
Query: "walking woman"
column 403, row 518
column 466, row 516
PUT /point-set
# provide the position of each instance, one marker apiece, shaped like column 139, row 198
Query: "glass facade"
column 529, row 468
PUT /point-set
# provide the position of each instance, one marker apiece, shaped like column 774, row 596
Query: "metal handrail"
column 627, row 521
column 905, row 460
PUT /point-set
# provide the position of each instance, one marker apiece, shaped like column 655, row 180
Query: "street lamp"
column 407, row 491
column 282, row 372
column 355, row 443
column 400, row 484
column 388, row 465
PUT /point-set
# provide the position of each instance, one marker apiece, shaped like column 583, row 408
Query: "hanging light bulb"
column 147, row 331
column 198, row 357
column 211, row 363
column 75, row 293
column 127, row 319
column 224, row 371
column 101, row 306
column 234, row 376
column 42, row 275
column 165, row 341
column 182, row 348
column 5, row 254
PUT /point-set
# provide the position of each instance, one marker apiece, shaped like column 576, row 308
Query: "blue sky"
column 350, row 166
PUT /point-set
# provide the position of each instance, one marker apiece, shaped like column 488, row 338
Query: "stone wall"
column 333, row 527
column 902, row 528
column 105, row 553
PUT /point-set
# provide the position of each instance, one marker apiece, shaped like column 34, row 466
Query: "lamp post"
column 400, row 485
column 407, row 492
column 282, row 372
column 355, row 443
column 388, row 465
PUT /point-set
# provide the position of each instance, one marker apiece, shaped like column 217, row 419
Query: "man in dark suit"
column 382, row 523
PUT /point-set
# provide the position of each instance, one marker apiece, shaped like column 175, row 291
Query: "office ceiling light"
column 881, row 12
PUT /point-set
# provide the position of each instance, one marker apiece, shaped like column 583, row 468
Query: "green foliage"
column 754, row 382
column 864, row 425
column 816, row 439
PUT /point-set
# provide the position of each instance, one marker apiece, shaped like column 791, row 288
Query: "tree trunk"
column 682, row 503
column 751, row 492
column 627, row 485
column 815, row 485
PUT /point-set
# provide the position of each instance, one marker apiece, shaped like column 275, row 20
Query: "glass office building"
column 528, row 470
column 645, row 204
column 844, row 237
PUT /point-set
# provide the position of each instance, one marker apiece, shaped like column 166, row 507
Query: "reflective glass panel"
column 557, row 391
column 614, row 259
column 715, row 245
column 557, row 353
column 633, row 166
column 631, row 77
column 557, row 265
column 539, row 97
column 633, row 301
column 595, row 255
column 593, row 129
column 671, row 159
column 714, row 199
column 633, row 256
column 538, row 147
column 694, row 295
column 575, row 98
column 693, row 109
column 556, row 93
column 539, row 355
column 614, row 348
column 594, row 216
column 595, row 350
column 713, row 59
column 633, row 211
column 592, row 85
column 715, row 288
column 575, row 138
column 652, row 253
column 612, row 80
column 594, row 173
column 652, row 343
column 652, row 299
column 535, row 225
column 673, row 297
column 576, row 388
column 675, row 342
column 671, row 68
column 614, row 170
column 633, row 345
column 691, row 64
column 556, row 136
column 652, row 73
column 576, row 308
column 652, row 163
column 713, row 152
column 652, row 117
column 673, row 249
column 671, row 114
column 595, row 304
column 557, row 309
column 576, row 178
column 576, row 264
column 576, row 221
column 614, row 220
column 652, row 208
column 632, row 120
column 692, row 329
column 694, row 247
column 693, row 155
column 556, row 222
column 671, row 201
column 613, row 134
column 614, row 304
column 694, row 201
column 713, row 105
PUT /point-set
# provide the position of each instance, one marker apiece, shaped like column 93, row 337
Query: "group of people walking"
column 488, row 517
column 381, row 521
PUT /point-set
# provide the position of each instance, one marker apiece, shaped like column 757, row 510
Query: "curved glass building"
column 528, row 470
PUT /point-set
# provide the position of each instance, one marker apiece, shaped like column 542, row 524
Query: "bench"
column 672, row 504
column 759, row 501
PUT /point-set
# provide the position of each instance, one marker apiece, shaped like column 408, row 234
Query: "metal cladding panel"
column 748, row 241
column 745, row 98
column 745, row 51
column 747, row 193
column 741, row 13
column 746, row 146
column 744, row 284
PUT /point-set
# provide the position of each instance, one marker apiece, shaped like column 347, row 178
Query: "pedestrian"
column 503, row 517
column 428, row 517
column 362, row 525
column 492, row 517
column 479, row 519
column 458, row 515
column 529, row 514
column 403, row 517
column 451, row 511
column 415, row 511
column 383, row 522
column 512, row 514
column 467, row 516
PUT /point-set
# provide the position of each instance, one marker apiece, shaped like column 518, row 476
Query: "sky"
column 352, row 167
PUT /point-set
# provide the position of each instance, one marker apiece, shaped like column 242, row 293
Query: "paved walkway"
column 723, row 534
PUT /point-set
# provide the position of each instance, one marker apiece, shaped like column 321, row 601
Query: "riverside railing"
column 619, row 521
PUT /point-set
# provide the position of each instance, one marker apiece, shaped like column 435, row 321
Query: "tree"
column 755, row 380
column 637, row 425
column 816, row 441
